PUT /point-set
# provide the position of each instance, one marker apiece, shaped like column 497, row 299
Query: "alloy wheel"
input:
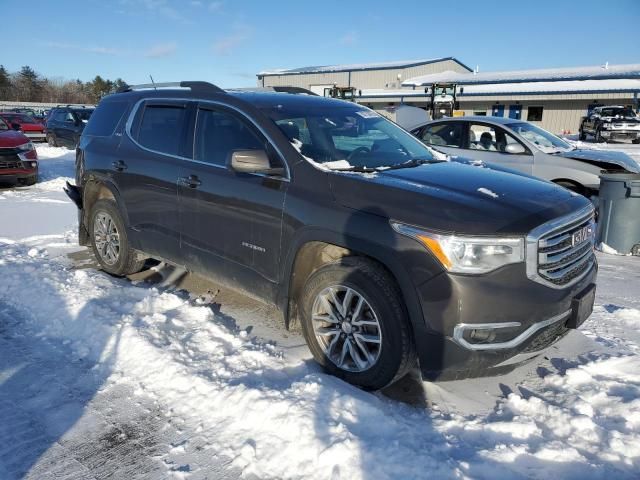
column 106, row 238
column 346, row 328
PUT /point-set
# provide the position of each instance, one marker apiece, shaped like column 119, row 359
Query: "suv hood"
column 12, row 138
column 453, row 197
column 605, row 159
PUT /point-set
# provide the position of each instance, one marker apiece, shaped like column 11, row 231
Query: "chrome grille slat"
column 553, row 259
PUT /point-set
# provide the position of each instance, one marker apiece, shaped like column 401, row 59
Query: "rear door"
column 146, row 170
column 447, row 137
column 230, row 222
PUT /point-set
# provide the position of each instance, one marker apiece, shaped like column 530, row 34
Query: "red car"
column 18, row 157
column 26, row 123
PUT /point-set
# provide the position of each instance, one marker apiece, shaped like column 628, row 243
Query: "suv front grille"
column 9, row 161
column 560, row 253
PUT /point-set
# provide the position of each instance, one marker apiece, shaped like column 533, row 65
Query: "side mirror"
column 253, row 161
column 514, row 149
column 16, row 126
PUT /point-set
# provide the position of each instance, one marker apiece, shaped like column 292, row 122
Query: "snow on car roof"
column 538, row 75
column 358, row 66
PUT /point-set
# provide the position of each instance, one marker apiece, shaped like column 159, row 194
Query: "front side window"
column 161, row 128
column 3, row 125
column 443, row 134
column 490, row 138
column 346, row 137
column 219, row 134
column 534, row 114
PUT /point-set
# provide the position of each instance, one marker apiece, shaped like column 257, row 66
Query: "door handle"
column 119, row 165
column 192, row 181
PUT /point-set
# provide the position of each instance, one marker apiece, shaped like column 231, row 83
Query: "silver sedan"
column 524, row 147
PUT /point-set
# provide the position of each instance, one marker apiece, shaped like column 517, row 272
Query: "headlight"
column 462, row 254
column 26, row 147
column 606, row 126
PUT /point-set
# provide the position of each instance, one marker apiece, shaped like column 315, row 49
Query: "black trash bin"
column 619, row 212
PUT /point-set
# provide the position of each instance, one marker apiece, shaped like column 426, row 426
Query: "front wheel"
column 582, row 136
column 109, row 240
column 598, row 136
column 355, row 323
column 51, row 140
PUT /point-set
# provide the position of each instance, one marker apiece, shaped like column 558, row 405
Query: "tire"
column 31, row 181
column 51, row 140
column 636, row 141
column 582, row 136
column 598, row 136
column 390, row 347
column 114, row 254
column 574, row 187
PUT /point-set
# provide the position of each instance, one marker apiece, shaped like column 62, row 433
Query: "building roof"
column 358, row 67
column 599, row 72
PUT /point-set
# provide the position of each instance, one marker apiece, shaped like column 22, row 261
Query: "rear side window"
column 161, row 128
column 104, row 120
column 443, row 134
column 219, row 133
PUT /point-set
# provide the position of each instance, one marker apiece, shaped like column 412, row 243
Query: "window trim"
column 197, row 102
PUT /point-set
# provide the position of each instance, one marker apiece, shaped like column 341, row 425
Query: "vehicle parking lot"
column 204, row 382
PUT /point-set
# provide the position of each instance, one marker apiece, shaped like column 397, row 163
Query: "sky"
column 228, row 42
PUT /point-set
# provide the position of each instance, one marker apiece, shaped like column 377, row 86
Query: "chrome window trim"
column 553, row 226
column 459, row 329
column 198, row 101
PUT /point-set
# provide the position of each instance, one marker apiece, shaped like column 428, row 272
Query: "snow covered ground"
column 101, row 377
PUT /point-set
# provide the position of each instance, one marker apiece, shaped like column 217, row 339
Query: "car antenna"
column 153, row 83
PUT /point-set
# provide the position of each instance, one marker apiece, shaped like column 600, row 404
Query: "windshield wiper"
column 416, row 162
column 355, row 168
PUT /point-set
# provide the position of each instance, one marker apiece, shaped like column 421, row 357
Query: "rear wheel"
column 598, row 136
column 51, row 140
column 582, row 136
column 109, row 240
column 355, row 324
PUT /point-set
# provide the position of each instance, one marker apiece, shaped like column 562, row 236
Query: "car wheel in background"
column 598, row 136
column 582, row 136
column 51, row 140
column 109, row 240
column 573, row 186
column 355, row 324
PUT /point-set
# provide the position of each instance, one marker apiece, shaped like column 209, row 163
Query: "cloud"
column 161, row 50
column 226, row 45
column 349, row 38
column 90, row 49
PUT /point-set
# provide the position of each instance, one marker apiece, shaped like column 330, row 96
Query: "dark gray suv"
column 386, row 253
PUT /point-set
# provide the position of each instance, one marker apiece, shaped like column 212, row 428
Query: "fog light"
column 34, row 164
column 482, row 336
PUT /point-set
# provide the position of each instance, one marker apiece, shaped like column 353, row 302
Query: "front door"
column 491, row 143
column 230, row 222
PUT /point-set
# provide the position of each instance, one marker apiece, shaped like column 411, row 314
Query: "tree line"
column 28, row 86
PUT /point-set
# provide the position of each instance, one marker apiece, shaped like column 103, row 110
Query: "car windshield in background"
column 545, row 141
column 20, row 118
column 623, row 112
column 348, row 138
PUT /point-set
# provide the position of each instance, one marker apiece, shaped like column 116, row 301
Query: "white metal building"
column 554, row 98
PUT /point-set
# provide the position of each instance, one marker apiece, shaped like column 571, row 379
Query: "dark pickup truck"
column 386, row 253
column 611, row 123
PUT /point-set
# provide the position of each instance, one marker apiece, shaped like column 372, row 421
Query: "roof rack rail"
column 294, row 90
column 195, row 86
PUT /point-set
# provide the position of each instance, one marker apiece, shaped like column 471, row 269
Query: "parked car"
column 18, row 157
column 65, row 125
column 611, row 123
column 26, row 124
column 524, row 147
column 384, row 253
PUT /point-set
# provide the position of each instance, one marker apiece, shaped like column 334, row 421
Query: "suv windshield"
column 612, row 112
column 348, row 138
column 545, row 141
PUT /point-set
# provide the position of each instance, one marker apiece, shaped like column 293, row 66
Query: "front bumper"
column 536, row 316
column 620, row 134
column 14, row 176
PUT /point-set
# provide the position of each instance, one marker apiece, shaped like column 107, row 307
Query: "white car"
column 524, row 147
